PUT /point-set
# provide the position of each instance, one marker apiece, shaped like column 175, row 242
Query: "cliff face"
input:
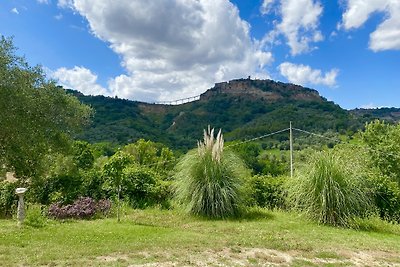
column 266, row 90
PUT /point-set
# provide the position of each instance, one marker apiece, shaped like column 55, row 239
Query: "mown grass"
column 154, row 236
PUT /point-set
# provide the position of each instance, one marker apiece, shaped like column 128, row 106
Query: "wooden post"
column 291, row 150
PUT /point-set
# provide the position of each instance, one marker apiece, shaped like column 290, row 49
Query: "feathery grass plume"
column 209, row 179
column 328, row 191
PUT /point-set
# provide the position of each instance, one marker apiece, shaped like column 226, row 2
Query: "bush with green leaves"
column 63, row 181
column 92, row 184
column 328, row 190
column 35, row 216
column 8, row 199
column 382, row 139
column 209, row 179
column 140, row 186
column 82, row 155
column 267, row 191
column 386, row 195
column 153, row 155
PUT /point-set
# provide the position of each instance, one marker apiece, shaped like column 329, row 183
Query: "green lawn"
column 167, row 238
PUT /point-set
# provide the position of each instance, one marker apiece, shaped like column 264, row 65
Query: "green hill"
column 391, row 115
column 243, row 108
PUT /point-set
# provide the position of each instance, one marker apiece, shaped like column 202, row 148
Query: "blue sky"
column 349, row 50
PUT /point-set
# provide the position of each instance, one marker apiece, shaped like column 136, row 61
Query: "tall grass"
column 209, row 179
column 328, row 191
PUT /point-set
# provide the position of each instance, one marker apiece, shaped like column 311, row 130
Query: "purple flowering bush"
column 82, row 208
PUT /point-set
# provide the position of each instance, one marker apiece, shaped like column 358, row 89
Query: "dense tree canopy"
column 35, row 115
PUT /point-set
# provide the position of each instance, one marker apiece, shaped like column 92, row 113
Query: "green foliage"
column 35, row 115
column 387, row 198
column 103, row 149
column 273, row 165
column 383, row 141
column 92, row 184
column 261, row 163
column 249, row 152
column 155, row 155
column 82, row 155
column 64, row 180
column 143, row 152
column 328, row 191
column 34, row 216
column 267, row 191
column 113, row 171
column 140, row 186
column 242, row 115
column 209, row 180
column 8, row 199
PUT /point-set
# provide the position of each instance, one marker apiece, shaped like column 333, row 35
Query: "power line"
column 243, row 142
column 257, row 138
column 318, row 135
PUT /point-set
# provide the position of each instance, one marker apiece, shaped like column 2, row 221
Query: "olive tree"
column 36, row 116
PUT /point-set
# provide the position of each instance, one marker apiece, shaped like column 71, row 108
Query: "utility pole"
column 291, row 150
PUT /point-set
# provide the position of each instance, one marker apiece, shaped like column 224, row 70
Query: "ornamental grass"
column 209, row 179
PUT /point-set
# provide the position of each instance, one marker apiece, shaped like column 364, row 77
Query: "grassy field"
column 167, row 238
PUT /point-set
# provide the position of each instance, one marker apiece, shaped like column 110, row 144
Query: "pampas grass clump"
column 329, row 191
column 209, row 179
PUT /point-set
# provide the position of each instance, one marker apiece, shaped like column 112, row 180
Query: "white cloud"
column 299, row 24
column 302, row 74
column 65, row 3
column 369, row 106
column 387, row 34
column 79, row 78
column 46, row 2
column 173, row 48
column 15, row 11
column 266, row 6
column 58, row 17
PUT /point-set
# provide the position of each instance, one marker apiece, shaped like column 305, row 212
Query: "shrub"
column 34, row 216
column 386, row 194
column 382, row 140
column 82, row 208
column 92, row 184
column 8, row 199
column 267, row 191
column 209, row 179
column 328, row 191
column 140, row 186
column 63, row 182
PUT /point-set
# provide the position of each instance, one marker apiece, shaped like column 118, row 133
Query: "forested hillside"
column 243, row 108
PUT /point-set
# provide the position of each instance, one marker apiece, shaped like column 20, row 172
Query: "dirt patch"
column 113, row 258
column 238, row 256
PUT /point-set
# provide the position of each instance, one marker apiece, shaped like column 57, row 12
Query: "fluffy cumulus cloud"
column 173, row 48
column 79, row 78
column 298, row 23
column 387, row 34
column 303, row 75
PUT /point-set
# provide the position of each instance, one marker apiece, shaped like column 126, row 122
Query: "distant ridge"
column 242, row 108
